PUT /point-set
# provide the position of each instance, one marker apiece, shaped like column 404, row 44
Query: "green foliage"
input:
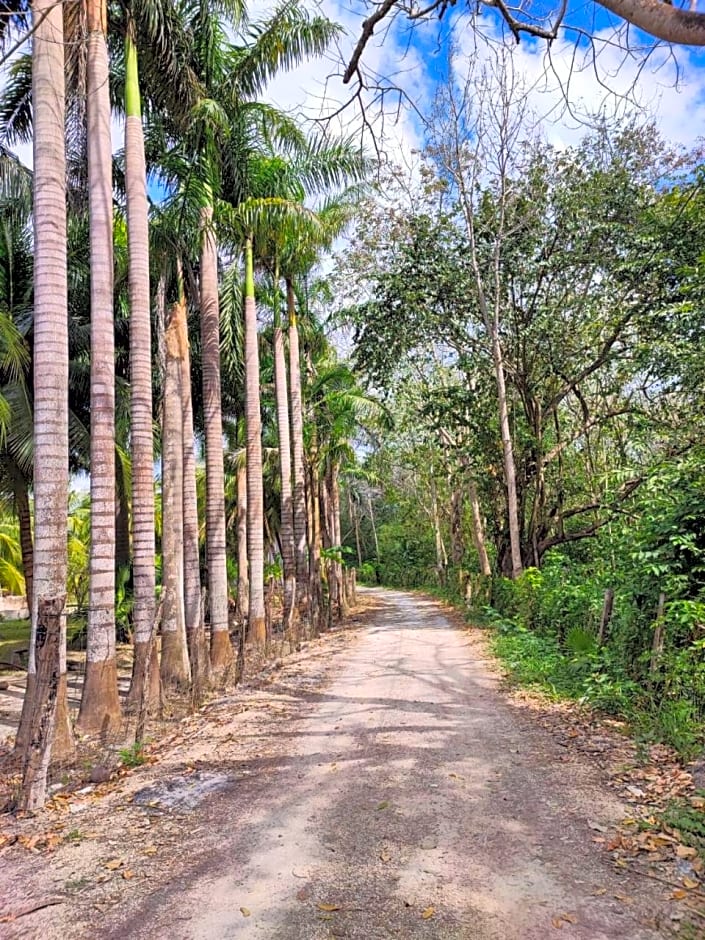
column 689, row 821
column 367, row 573
column 133, row 756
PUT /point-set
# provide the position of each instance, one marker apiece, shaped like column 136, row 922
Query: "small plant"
column 134, row 755
column 75, row 835
column 580, row 641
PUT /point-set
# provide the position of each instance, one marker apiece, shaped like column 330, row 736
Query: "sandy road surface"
column 409, row 787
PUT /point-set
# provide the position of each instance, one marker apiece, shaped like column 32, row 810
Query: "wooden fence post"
column 47, row 647
column 606, row 615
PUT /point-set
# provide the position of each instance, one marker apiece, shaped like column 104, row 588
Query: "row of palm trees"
column 251, row 200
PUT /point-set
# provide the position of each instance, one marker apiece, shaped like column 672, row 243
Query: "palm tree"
column 175, row 666
column 100, row 703
column 327, row 165
column 256, row 629
column 141, row 434
column 51, row 445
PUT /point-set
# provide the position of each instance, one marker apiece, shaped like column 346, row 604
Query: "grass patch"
column 581, row 671
column 14, row 635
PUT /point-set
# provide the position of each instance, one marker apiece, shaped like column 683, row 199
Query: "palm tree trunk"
column 51, row 358
column 297, row 441
column 337, row 537
column 141, row 431
column 193, row 613
column 327, row 533
column 256, row 632
column 315, row 540
column 175, row 668
column 243, row 581
column 100, row 703
column 287, row 516
column 221, row 648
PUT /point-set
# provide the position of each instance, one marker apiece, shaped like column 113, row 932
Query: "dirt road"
column 411, row 800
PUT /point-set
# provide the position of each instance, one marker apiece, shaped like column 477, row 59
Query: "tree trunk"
column 221, row 648
column 51, row 426
column 243, row 581
column 478, row 531
column 338, row 538
column 287, row 516
column 441, row 556
column 315, row 575
column 175, row 669
column 100, row 702
column 327, row 541
column 508, row 453
column 256, row 630
column 355, row 520
column 41, row 727
column 193, row 606
column 141, row 407
column 297, row 442
column 457, row 544
column 373, row 523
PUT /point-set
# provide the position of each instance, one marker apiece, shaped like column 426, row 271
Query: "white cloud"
column 568, row 82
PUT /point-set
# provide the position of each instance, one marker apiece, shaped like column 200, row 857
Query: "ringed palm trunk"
column 174, row 667
column 287, row 516
column 141, row 432
column 243, row 581
column 51, row 353
column 195, row 627
column 221, row 648
column 315, row 540
column 297, row 443
column 100, row 703
column 338, row 537
column 256, row 625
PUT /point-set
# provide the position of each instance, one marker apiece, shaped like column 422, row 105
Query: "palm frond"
column 279, row 43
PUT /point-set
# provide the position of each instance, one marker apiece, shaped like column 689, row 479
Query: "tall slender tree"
column 141, row 433
column 51, row 426
column 256, row 630
column 100, row 704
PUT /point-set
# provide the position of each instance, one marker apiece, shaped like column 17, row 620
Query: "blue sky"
column 669, row 83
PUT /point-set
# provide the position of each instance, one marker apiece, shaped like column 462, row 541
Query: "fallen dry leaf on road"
column 114, row 864
column 383, row 805
column 686, row 851
column 128, row 874
column 428, row 913
column 327, row 907
column 245, row 911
